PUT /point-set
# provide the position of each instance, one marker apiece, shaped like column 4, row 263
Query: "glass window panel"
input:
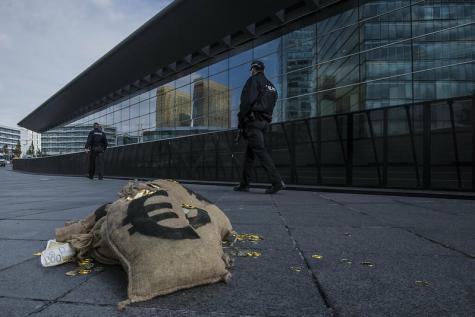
column 272, row 65
column 241, row 58
column 235, row 96
column 370, row 8
column 134, row 110
column 334, row 24
column 218, row 83
column 334, row 42
column 144, row 96
column 387, row 92
column 218, row 67
column 300, row 107
column 300, row 82
column 183, row 112
column 338, row 100
column 124, row 126
column 238, row 76
column 388, row 28
column 182, row 81
column 133, row 100
column 444, row 48
column 444, row 82
column 267, row 48
column 152, row 92
column 144, row 107
column 199, row 89
column 117, row 116
column 125, row 113
column 200, row 107
column 134, row 125
column 338, row 73
column 200, row 74
column 144, row 122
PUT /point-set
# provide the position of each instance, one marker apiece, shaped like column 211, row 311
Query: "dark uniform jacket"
column 258, row 99
column 96, row 141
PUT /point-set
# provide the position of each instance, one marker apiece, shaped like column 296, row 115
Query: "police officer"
column 258, row 99
column 96, row 145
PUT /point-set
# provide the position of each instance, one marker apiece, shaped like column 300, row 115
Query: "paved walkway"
column 373, row 248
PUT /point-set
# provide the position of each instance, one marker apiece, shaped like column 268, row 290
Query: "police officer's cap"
column 257, row 64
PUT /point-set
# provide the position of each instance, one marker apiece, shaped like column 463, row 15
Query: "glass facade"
column 365, row 55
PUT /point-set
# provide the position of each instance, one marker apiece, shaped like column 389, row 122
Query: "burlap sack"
column 162, row 248
column 66, row 233
column 187, row 197
column 100, row 250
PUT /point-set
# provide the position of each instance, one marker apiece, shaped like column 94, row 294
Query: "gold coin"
column 296, row 268
column 422, row 283
column 84, row 271
column 367, row 263
column 37, row 254
column 347, row 261
column 317, row 256
column 86, row 266
column 71, row 273
column 253, row 254
column 187, row 206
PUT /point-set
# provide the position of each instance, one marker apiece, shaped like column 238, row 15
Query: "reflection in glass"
column 378, row 54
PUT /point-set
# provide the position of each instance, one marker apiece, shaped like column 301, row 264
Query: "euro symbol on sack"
column 137, row 216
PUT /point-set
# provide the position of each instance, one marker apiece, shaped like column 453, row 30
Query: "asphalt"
column 374, row 255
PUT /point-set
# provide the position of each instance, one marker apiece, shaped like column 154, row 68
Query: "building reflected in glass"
column 364, row 55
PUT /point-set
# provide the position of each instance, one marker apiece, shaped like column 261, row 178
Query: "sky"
column 44, row 44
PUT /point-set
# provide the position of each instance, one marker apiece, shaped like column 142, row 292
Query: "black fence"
column 426, row 145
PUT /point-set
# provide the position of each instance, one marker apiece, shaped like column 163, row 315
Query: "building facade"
column 364, row 56
column 371, row 92
column 9, row 137
column 66, row 140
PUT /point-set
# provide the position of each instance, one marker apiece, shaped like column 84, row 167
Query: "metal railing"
column 428, row 145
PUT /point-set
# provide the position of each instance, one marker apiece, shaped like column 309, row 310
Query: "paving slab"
column 389, row 288
column 13, row 307
column 17, row 251
column 32, row 281
column 29, row 229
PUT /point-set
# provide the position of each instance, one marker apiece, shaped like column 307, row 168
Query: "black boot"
column 241, row 188
column 275, row 188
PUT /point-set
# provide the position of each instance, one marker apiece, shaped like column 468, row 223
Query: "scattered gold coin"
column 248, row 237
column 367, row 263
column 86, row 266
column 296, row 268
column 84, row 271
column 37, row 254
column 71, row 273
column 422, row 283
column 186, row 206
column 253, row 254
column 347, row 261
column 317, row 256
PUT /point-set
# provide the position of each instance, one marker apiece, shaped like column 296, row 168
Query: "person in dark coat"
column 96, row 145
column 258, row 100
